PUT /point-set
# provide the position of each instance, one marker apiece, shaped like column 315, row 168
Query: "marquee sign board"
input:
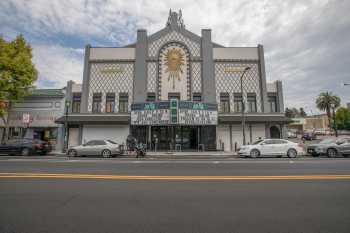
column 187, row 112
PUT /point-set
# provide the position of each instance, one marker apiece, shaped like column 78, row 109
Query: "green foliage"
column 294, row 112
column 325, row 101
column 17, row 71
column 342, row 118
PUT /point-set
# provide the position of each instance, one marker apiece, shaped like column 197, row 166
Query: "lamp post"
column 243, row 106
column 334, row 122
column 67, row 105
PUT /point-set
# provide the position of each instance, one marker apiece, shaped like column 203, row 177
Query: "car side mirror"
column 339, row 143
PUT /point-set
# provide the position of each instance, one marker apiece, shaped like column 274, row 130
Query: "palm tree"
column 325, row 101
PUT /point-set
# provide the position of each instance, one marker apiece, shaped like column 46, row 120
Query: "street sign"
column 173, row 111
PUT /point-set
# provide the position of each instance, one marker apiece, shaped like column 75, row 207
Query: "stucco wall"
column 236, row 53
column 112, row 53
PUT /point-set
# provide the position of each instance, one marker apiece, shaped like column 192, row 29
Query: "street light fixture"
column 243, row 105
column 67, row 105
column 346, row 84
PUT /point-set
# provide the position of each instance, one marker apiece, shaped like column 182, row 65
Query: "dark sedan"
column 25, row 147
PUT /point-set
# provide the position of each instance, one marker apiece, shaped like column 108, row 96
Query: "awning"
column 254, row 118
column 94, row 119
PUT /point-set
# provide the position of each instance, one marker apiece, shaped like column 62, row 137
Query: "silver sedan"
column 105, row 148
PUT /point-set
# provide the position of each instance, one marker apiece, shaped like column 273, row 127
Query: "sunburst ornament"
column 174, row 60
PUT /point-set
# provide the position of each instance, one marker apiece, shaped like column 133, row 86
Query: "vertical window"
column 197, row 97
column 272, row 103
column 151, row 96
column 237, row 102
column 76, row 102
column 224, row 102
column 251, row 102
column 173, row 95
column 110, row 102
column 96, row 102
column 123, row 102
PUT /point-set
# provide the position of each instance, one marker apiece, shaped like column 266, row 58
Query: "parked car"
column 277, row 147
column 308, row 136
column 104, row 148
column 25, row 147
column 330, row 147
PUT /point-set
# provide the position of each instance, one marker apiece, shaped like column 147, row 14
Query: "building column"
column 140, row 70
column 208, row 73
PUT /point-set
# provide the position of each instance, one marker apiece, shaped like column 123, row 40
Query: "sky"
column 306, row 42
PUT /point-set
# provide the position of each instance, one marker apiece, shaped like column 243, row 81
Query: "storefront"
column 35, row 116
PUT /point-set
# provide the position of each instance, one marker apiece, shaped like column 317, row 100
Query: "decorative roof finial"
column 175, row 19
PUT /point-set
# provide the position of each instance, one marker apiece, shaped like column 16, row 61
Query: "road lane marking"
column 179, row 178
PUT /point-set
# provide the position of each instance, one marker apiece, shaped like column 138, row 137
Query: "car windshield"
column 257, row 142
column 110, row 141
column 327, row 141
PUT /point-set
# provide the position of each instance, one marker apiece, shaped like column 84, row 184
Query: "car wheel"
column 25, row 152
column 345, row 155
column 292, row 153
column 314, row 155
column 72, row 153
column 331, row 153
column 106, row 153
column 254, row 153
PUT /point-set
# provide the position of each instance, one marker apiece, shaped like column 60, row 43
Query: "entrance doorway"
column 275, row 132
column 174, row 137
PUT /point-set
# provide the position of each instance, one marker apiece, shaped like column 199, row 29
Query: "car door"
column 87, row 148
column 344, row 146
column 280, row 147
column 4, row 148
column 100, row 145
column 266, row 147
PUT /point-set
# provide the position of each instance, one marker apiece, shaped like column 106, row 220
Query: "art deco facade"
column 131, row 90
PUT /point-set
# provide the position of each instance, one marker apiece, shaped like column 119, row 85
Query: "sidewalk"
column 174, row 155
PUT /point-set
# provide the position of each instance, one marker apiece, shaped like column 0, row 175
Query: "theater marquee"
column 187, row 113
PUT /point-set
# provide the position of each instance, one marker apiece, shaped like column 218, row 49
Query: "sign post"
column 173, row 111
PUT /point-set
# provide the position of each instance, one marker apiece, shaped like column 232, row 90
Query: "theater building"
column 175, row 90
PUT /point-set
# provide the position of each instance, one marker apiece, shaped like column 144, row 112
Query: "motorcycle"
column 140, row 150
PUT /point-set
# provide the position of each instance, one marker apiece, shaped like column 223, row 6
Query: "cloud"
column 57, row 65
column 307, row 43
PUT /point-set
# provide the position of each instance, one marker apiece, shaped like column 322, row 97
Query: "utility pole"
column 243, row 106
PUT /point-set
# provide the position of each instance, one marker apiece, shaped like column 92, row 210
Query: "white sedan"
column 271, row 147
column 105, row 148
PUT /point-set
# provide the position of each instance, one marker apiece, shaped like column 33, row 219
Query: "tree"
column 288, row 113
column 17, row 74
column 324, row 102
column 342, row 118
column 302, row 112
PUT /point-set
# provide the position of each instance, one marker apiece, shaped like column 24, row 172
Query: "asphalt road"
column 260, row 195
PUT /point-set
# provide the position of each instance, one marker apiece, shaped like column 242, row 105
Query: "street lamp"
column 67, row 105
column 334, row 123
column 346, row 84
column 243, row 106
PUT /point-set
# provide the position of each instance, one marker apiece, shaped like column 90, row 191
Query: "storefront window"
column 96, row 102
column 173, row 95
column 151, row 96
column 197, row 97
column 123, row 102
column 237, row 102
column 224, row 102
column 110, row 102
column 251, row 101
column 76, row 102
column 272, row 103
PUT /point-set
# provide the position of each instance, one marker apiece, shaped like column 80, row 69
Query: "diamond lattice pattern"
column 230, row 81
column 196, row 77
column 154, row 46
column 104, row 80
column 152, row 77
